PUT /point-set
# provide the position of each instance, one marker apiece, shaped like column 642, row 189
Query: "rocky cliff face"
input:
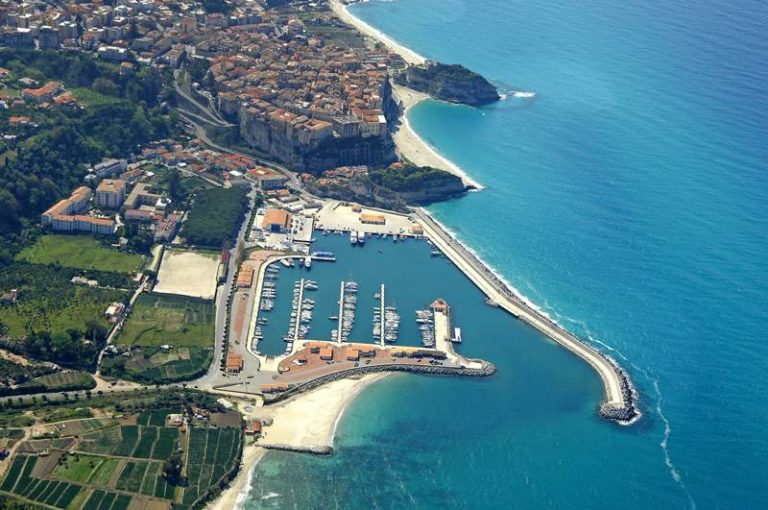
column 362, row 190
column 313, row 155
column 453, row 83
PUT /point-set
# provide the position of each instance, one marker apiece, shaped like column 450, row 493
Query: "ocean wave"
column 517, row 94
column 664, row 443
column 242, row 497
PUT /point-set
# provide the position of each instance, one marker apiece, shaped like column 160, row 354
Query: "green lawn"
column 79, row 252
column 175, row 320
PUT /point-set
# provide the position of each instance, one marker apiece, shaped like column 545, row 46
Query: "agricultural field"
column 137, row 441
column 76, row 467
column 57, row 314
column 160, row 319
column 186, row 324
column 52, row 318
column 188, row 273
column 152, row 365
column 61, row 381
column 210, row 455
column 79, row 252
column 18, row 481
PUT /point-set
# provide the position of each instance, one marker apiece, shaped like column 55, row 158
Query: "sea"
column 627, row 197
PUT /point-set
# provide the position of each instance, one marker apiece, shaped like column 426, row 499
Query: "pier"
column 299, row 307
column 619, row 403
column 340, row 317
column 381, row 315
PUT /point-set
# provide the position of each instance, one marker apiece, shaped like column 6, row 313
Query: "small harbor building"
column 234, row 363
column 276, row 221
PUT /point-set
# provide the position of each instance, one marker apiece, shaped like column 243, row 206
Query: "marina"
column 361, row 298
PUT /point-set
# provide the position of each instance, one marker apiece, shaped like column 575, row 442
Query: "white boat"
column 361, row 238
column 456, row 335
column 353, row 237
column 286, row 262
column 307, row 261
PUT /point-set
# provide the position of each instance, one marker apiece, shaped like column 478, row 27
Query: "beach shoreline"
column 343, row 14
column 304, row 423
column 408, row 143
column 235, row 495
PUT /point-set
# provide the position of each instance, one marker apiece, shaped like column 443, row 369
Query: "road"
column 205, row 113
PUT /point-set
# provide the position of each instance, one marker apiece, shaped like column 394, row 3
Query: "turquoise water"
column 628, row 199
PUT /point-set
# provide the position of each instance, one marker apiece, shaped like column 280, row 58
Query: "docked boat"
column 286, row 262
column 456, row 335
column 325, row 256
column 307, row 262
column 353, row 237
column 361, row 238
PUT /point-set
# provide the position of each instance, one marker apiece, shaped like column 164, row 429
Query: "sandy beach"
column 234, row 496
column 408, row 55
column 409, row 144
column 308, row 421
column 305, row 422
column 412, row 147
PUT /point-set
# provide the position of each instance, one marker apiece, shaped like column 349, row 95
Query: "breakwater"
column 485, row 370
column 620, row 404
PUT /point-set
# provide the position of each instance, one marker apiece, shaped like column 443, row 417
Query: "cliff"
column 393, row 188
column 454, row 83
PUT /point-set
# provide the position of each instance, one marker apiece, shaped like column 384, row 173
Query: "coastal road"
column 498, row 292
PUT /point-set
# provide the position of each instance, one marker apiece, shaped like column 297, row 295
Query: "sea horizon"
column 598, row 209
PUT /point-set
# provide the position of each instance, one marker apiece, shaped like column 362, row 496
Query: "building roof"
column 372, row 218
column 234, row 361
column 277, row 217
column 111, row 185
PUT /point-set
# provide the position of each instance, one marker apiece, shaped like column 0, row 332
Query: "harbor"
column 363, row 281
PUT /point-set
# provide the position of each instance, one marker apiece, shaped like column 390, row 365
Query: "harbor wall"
column 486, row 370
column 620, row 404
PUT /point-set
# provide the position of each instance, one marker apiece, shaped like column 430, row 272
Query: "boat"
column 353, row 237
column 325, row 256
column 361, row 238
column 307, row 262
column 456, row 335
column 286, row 262
column 333, row 317
column 436, row 253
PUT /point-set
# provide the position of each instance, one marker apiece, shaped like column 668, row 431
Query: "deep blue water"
column 629, row 199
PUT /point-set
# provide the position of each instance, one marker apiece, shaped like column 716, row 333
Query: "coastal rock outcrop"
column 376, row 190
column 453, row 83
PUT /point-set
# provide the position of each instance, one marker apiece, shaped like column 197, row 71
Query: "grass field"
column 88, row 97
column 86, row 469
column 79, row 252
column 175, row 320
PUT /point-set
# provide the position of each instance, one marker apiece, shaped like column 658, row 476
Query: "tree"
column 105, row 86
column 172, row 470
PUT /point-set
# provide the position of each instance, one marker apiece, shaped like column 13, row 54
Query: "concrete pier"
column 381, row 311
column 619, row 403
